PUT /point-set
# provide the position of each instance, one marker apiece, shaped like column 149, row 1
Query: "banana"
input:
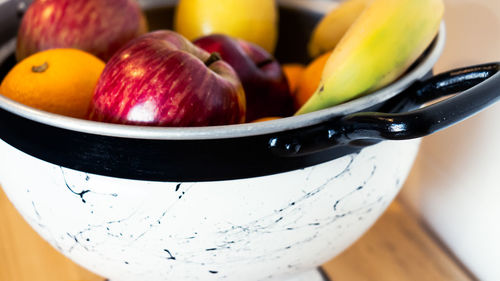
column 334, row 25
column 382, row 43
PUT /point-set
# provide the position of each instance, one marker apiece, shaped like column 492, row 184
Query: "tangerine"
column 60, row 81
column 309, row 82
column 264, row 119
column 293, row 72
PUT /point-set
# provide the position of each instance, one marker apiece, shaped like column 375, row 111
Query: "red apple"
column 162, row 79
column 100, row 27
column 265, row 84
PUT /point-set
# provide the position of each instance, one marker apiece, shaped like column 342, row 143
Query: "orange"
column 60, row 81
column 293, row 72
column 264, row 119
column 310, row 80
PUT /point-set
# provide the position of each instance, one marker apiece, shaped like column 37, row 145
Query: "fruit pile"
column 95, row 59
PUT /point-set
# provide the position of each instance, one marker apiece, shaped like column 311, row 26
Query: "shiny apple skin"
column 160, row 79
column 266, row 87
column 99, row 27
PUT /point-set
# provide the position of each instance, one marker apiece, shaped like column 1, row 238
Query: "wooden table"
column 398, row 247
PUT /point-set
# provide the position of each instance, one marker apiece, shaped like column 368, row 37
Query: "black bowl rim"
column 226, row 131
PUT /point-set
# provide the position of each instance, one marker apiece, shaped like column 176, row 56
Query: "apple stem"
column 41, row 68
column 264, row 63
column 213, row 58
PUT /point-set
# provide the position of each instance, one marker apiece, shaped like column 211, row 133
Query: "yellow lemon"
column 251, row 20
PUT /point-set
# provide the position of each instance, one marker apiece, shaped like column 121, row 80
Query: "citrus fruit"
column 255, row 21
column 293, row 72
column 60, row 81
column 264, row 119
column 309, row 82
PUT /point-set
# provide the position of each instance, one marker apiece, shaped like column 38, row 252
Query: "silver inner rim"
column 227, row 131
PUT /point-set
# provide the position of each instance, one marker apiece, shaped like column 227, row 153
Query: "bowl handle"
column 473, row 88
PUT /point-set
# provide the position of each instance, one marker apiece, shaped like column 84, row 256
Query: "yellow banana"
column 334, row 25
column 383, row 42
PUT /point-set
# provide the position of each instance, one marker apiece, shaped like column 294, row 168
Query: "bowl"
column 262, row 201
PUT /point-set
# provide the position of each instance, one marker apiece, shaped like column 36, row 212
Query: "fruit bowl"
column 261, row 201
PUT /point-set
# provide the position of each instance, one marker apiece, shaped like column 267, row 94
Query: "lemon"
column 255, row 21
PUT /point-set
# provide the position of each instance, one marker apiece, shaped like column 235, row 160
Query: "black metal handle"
column 478, row 87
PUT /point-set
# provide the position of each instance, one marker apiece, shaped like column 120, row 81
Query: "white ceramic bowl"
column 219, row 203
column 266, row 228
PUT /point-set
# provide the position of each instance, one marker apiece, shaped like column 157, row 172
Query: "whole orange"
column 309, row 82
column 293, row 73
column 60, row 81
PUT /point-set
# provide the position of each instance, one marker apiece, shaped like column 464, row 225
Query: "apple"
column 265, row 84
column 162, row 79
column 99, row 27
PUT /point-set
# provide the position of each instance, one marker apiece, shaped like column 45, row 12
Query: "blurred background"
column 455, row 183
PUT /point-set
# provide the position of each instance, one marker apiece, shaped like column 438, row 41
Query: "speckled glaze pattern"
column 275, row 227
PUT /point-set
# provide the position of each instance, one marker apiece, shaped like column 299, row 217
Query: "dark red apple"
column 265, row 84
column 162, row 79
column 100, row 27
